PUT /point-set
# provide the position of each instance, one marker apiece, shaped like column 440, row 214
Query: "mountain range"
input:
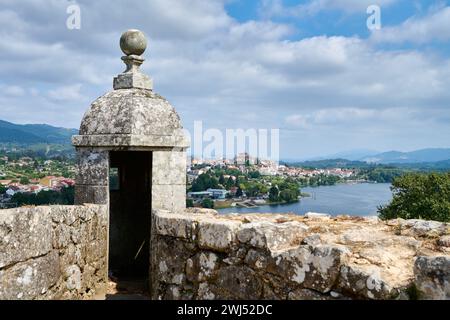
column 428, row 155
column 34, row 133
column 418, row 156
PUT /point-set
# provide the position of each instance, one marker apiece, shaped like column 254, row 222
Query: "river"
column 361, row 199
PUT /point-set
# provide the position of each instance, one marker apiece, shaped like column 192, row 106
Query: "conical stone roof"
column 132, row 115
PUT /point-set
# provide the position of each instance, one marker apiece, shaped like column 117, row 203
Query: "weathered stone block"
column 219, row 235
column 444, row 241
column 312, row 240
column 174, row 224
column 93, row 166
column 30, row 279
column 169, row 261
column 62, row 236
column 24, row 233
column 73, row 277
column 433, row 277
column 91, row 194
column 169, row 168
column 132, row 80
column 202, row 266
column 425, row 227
column 71, row 255
column 169, row 197
column 313, row 268
column 89, row 279
column 366, row 282
column 326, row 262
column 95, row 250
column 86, row 213
column 256, row 260
column 238, row 282
column 204, row 291
column 272, row 236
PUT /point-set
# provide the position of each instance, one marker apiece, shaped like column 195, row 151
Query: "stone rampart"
column 60, row 252
column 198, row 254
column 55, row 252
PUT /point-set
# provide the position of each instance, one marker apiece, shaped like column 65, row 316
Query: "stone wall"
column 60, row 252
column 56, row 252
column 198, row 254
column 168, row 176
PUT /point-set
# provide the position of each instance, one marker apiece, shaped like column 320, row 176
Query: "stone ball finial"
column 133, row 42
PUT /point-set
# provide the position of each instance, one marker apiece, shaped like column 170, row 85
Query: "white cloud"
column 349, row 116
column 64, row 93
column 224, row 72
column 12, row 91
column 431, row 27
column 273, row 8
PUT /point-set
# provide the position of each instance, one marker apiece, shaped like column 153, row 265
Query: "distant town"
column 248, row 182
column 27, row 180
column 30, row 178
column 37, row 167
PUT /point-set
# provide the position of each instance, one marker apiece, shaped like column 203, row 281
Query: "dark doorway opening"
column 130, row 219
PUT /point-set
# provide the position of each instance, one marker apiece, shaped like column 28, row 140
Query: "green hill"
column 34, row 133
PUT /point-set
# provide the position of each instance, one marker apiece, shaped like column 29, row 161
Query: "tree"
column 64, row 197
column 2, row 189
column 189, row 203
column 263, row 189
column 204, row 182
column 383, row 175
column 252, row 190
column 239, row 192
column 24, row 180
column 254, row 175
column 419, row 196
column 229, row 184
column 208, row 203
column 274, row 194
column 198, row 184
column 288, row 195
column 237, row 183
column 222, row 180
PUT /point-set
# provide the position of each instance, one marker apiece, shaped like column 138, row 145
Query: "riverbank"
column 362, row 199
column 225, row 204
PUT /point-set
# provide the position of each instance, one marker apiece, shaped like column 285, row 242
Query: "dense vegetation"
column 189, row 203
column 349, row 164
column 208, row 203
column 36, row 169
column 204, row 182
column 381, row 173
column 330, row 163
column 286, row 191
column 43, row 151
column 64, row 197
column 216, row 179
column 319, row 180
column 419, row 196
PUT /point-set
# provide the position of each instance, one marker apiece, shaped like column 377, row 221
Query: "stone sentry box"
column 131, row 154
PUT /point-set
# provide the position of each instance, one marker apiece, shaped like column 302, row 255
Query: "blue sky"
column 309, row 68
